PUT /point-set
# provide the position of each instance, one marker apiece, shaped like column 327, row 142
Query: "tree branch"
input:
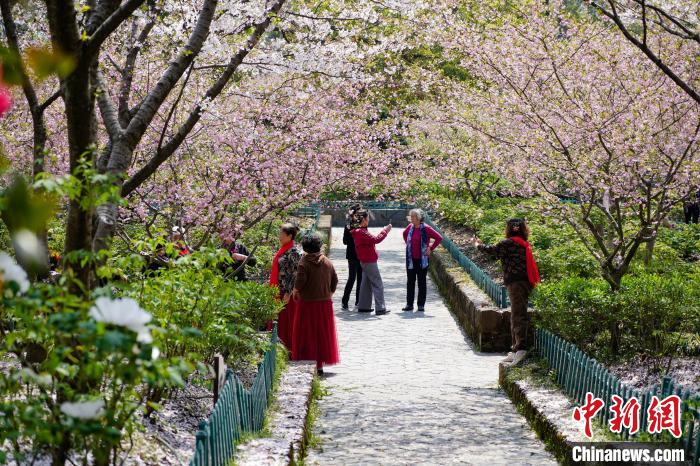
column 107, row 110
column 615, row 17
column 149, row 107
column 109, row 25
column 174, row 143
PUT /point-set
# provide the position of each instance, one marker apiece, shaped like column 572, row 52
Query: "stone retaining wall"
column 548, row 411
column 487, row 325
column 287, row 421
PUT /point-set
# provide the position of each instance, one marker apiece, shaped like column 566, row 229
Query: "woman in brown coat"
column 314, row 324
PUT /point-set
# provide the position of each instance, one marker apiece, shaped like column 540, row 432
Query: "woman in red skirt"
column 284, row 270
column 314, row 325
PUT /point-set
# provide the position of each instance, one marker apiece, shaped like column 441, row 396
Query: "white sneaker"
column 519, row 356
column 510, row 357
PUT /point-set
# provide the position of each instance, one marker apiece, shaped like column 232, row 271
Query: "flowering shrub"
column 79, row 371
column 78, row 367
column 76, row 373
column 199, row 312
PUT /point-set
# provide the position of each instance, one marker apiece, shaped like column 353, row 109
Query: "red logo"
column 665, row 415
column 625, row 415
column 587, row 412
column 662, row 414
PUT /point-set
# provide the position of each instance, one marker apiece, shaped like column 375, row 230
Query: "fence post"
column 219, row 376
column 696, row 455
column 202, row 439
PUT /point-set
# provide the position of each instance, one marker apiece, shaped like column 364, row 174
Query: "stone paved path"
column 411, row 390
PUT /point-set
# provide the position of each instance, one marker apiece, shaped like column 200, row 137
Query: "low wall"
column 287, row 422
column 547, row 409
column 380, row 217
column 486, row 325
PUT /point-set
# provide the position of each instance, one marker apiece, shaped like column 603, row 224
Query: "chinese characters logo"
column 661, row 414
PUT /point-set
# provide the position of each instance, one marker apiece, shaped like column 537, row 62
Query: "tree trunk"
column 79, row 100
column 614, row 278
column 82, row 137
column 649, row 253
column 37, row 169
column 37, row 112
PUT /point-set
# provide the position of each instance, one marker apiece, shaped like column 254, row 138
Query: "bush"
column 577, row 309
column 657, row 312
column 460, row 212
column 664, row 259
column 684, row 239
column 68, row 360
column 568, row 260
column 652, row 314
column 214, row 315
column 491, row 234
column 76, row 382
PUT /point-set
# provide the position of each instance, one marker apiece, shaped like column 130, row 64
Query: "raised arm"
column 495, row 250
column 380, row 237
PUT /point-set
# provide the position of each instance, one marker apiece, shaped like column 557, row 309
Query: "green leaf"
column 45, row 63
column 11, row 67
column 21, row 208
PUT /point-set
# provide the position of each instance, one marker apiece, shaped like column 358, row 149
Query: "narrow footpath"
column 410, row 389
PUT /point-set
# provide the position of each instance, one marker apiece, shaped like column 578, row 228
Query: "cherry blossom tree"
column 264, row 158
column 155, row 69
column 575, row 112
column 667, row 33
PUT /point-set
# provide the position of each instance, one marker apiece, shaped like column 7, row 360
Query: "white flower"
column 144, row 336
column 84, row 410
column 124, row 312
column 28, row 247
column 155, row 353
column 11, row 272
column 44, row 379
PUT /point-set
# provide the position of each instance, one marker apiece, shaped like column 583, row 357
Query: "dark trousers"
column 518, row 293
column 354, row 272
column 412, row 274
column 692, row 212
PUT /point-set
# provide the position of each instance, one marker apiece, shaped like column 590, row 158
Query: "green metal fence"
column 495, row 291
column 237, row 411
column 313, row 211
column 577, row 373
column 369, row 205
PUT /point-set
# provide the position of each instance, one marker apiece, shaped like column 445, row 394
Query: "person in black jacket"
column 241, row 259
column 355, row 271
column 691, row 208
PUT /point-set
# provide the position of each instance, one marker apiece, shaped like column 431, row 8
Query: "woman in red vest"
column 366, row 250
column 283, row 275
